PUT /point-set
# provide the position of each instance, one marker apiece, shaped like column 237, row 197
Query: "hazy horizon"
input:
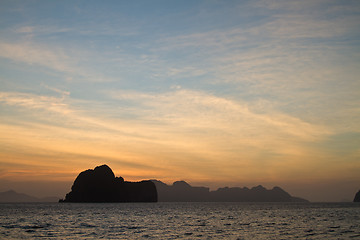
column 324, row 193
column 216, row 93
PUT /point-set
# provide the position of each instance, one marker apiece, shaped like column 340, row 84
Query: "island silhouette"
column 101, row 185
column 13, row 196
column 181, row 191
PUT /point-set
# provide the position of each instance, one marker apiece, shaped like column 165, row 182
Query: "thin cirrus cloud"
column 30, row 54
column 70, row 63
column 197, row 109
column 40, row 136
column 36, row 30
column 187, row 108
column 252, row 91
column 189, row 123
column 31, row 101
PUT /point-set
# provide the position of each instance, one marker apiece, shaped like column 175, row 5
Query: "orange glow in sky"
column 216, row 94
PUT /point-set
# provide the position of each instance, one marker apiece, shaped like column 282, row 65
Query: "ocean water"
column 180, row 221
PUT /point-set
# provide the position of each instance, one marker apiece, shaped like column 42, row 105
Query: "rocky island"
column 181, row 191
column 101, row 185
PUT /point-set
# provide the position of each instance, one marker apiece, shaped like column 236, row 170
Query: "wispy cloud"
column 41, row 30
column 206, row 93
column 174, row 126
column 32, row 101
column 69, row 63
column 53, row 131
column 36, row 55
column 194, row 109
column 62, row 92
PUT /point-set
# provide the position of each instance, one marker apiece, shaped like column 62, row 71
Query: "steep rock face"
column 101, row 185
column 357, row 197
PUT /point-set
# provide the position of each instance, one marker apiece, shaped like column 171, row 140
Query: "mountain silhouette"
column 181, row 191
column 101, row 185
column 357, row 197
column 12, row 196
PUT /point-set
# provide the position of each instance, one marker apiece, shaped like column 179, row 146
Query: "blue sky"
column 213, row 92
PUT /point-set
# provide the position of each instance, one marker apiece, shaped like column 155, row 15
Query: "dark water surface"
column 180, row 220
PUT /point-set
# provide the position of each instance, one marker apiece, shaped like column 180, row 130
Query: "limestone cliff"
column 101, row 185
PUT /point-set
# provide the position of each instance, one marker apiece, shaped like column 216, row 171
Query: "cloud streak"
column 36, row 55
column 194, row 109
column 168, row 127
column 70, row 64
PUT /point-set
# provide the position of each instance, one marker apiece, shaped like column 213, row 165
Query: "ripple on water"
column 179, row 220
column 87, row 225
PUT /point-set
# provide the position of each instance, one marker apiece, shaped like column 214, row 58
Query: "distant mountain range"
column 101, row 185
column 12, row 196
column 181, row 191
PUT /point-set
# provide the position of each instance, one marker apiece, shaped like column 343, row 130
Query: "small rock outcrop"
column 101, row 185
column 357, row 197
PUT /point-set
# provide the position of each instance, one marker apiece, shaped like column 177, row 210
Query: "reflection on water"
column 180, row 220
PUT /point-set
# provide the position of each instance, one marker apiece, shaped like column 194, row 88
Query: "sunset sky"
column 216, row 93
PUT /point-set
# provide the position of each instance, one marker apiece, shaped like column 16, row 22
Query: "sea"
column 180, row 220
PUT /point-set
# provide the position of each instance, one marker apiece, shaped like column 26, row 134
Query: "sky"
column 216, row 93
